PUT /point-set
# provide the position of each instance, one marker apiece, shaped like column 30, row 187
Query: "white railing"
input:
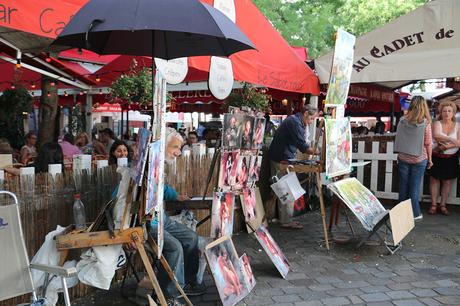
column 390, row 174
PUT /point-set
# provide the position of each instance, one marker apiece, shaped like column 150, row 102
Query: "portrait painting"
column 254, row 169
column 222, row 214
column 226, row 270
column 247, row 132
column 259, row 219
column 272, row 249
column 232, row 131
column 258, row 135
column 248, row 204
column 249, row 278
column 228, row 169
column 242, row 172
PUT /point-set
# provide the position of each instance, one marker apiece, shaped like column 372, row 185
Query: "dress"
column 445, row 163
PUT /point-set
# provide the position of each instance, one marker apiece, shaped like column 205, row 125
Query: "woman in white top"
column 446, row 135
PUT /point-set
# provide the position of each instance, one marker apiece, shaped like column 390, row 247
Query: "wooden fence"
column 381, row 175
column 46, row 202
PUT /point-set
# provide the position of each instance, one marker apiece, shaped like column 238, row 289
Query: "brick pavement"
column 426, row 271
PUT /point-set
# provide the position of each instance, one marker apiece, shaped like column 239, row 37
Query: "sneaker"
column 195, row 289
column 418, row 218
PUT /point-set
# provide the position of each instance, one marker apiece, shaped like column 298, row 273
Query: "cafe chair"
column 15, row 276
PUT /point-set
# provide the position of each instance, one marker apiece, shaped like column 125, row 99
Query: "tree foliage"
column 249, row 96
column 13, row 103
column 312, row 23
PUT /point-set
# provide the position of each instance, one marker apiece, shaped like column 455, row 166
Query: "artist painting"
column 222, row 214
column 273, row 251
column 227, row 271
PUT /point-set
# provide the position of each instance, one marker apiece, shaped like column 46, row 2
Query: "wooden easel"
column 80, row 239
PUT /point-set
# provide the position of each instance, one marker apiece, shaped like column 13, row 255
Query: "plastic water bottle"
column 79, row 215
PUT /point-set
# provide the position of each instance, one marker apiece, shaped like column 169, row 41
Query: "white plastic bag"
column 287, row 188
column 98, row 264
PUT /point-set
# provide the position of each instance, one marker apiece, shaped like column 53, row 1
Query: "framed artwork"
column 248, row 203
column 228, row 169
column 259, row 131
column 140, row 151
column 249, row 278
column 222, row 214
column 226, row 270
column 272, row 249
column 232, row 131
column 247, row 132
column 338, row 147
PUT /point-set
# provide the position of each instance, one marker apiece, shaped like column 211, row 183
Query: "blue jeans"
column 410, row 179
column 180, row 250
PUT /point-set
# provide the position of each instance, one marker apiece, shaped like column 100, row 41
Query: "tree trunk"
column 48, row 123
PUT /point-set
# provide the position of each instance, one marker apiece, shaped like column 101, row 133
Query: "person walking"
column 414, row 147
column 446, row 134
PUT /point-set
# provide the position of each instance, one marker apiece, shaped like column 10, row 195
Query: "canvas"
column 258, row 135
column 273, row 251
column 232, row 131
column 254, row 170
column 228, row 168
column 242, row 172
column 247, row 132
column 361, row 201
column 140, row 155
column 248, row 204
column 222, row 214
column 249, row 278
column 154, row 185
column 339, row 82
column 226, row 270
column 338, row 147
column 260, row 219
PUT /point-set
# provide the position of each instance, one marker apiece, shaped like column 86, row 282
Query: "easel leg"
column 168, row 269
column 148, row 268
column 323, row 208
column 332, row 214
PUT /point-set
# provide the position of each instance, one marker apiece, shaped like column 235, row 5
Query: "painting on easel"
column 140, row 155
column 154, row 184
column 338, row 147
column 226, row 270
column 342, row 63
column 222, row 214
column 273, row 250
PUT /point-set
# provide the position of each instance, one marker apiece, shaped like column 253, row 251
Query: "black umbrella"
column 159, row 28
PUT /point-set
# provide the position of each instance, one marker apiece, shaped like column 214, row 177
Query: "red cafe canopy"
column 273, row 64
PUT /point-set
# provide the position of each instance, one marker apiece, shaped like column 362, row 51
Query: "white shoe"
column 419, row 217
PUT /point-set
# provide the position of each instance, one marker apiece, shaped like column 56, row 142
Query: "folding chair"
column 16, row 278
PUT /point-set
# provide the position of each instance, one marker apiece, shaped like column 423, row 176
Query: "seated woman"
column 446, row 134
column 118, row 150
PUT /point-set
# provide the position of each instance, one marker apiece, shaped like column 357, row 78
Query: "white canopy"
column 423, row 44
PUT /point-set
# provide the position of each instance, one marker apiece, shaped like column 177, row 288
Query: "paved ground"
column 426, row 271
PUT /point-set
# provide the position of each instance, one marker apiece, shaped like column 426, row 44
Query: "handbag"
column 287, row 188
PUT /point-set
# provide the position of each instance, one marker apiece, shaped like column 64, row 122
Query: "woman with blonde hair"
column 413, row 143
column 446, row 134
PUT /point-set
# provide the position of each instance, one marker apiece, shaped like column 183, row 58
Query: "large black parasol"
column 159, row 28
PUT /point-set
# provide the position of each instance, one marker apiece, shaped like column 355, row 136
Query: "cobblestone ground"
column 426, row 271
